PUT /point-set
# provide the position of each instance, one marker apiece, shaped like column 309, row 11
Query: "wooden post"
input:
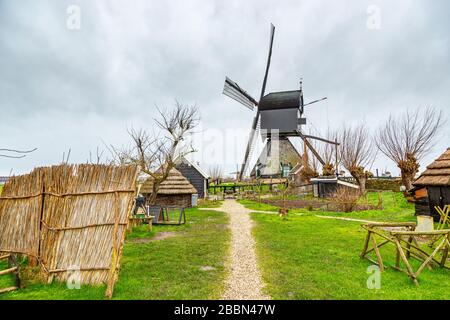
column 366, row 244
column 33, row 260
column 409, row 269
column 114, row 255
column 377, row 252
column 445, row 253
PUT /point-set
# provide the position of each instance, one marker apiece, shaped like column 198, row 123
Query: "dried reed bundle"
column 20, row 210
column 84, row 211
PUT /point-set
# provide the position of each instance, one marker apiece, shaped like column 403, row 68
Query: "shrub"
column 345, row 199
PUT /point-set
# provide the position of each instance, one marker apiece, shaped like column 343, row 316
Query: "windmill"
column 279, row 112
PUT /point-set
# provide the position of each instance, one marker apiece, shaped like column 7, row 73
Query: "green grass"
column 257, row 206
column 395, row 208
column 307, row 257
column 163, row 269
column 205, row 203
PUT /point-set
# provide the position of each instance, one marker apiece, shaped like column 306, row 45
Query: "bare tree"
column 357, row 152
column 310, row 164
column 156, row 155
column 328, row 153
column 216, row 173
column 97, row 158
column 406, row 139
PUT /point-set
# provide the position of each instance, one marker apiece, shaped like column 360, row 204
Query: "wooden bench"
column 137, row 221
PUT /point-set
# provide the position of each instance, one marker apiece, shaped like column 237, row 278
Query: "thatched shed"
column 436, row 180
column 176, row 190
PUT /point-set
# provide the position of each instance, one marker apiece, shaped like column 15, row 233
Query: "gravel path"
column 244, row 279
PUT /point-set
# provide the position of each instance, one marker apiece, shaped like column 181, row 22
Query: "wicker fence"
column 70, row 218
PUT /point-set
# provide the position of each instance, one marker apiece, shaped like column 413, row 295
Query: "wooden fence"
column 70, row 218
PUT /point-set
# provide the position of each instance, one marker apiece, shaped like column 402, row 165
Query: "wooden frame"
column 406, row 246
column 13, row 267
column 428, row 259
column 379, row 229
column 161, row 215
column 444, row 216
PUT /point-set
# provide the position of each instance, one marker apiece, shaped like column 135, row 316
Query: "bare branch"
column 357, row 152
column 408, row 138
column 22, row 153
column 156, row 155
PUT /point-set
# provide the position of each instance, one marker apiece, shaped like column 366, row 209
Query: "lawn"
column 308, row 257
column 190, row 264
column 395, row 208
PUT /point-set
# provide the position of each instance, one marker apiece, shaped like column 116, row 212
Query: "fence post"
column 34, row 260
column 114, row 257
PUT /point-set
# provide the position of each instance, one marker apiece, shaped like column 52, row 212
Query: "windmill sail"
column 255, row 121
column 269, row 58
column 251, row 143
column 231, row 89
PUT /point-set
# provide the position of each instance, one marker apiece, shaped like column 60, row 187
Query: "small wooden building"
column 195, row 175
column 325, row 187
column 432, row 188
column 175, row 191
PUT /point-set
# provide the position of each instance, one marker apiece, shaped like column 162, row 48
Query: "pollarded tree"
column 328, row 153
column 357, row 152
column 156, row 155
column 408, row 138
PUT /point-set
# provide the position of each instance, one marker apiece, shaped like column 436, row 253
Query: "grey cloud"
column 62, row 88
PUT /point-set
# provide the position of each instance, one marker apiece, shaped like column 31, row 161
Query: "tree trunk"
column 408, row 169
column 407, row 179
column 361, row 180
column 361, row 177
column 154, row 195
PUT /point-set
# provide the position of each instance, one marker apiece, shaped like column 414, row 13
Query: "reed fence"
column 71, row 218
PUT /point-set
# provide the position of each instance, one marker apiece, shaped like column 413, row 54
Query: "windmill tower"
column 279, row 115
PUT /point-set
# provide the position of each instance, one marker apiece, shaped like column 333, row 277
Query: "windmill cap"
column 280, row 100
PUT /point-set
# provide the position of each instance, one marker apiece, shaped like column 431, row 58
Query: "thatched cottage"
column 175, row 191
column 432, row 188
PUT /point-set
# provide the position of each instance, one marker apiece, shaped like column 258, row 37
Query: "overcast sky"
column 66, row 87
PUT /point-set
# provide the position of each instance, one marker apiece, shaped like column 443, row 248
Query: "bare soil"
column 315, row 204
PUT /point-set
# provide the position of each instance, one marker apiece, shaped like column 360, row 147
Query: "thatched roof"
column 176, row 183
column 437, row 173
